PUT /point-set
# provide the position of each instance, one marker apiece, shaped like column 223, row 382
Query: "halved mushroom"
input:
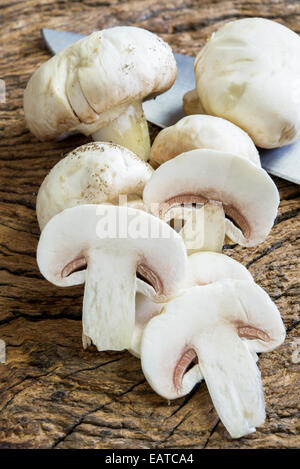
column 203, row 268
column 97, row 85
column 220, row 325
column 105, row 246
column 200, row 131
column 94, row 173
column 220, row 184
column 248, row 72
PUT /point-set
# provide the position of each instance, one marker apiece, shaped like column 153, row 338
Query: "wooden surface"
column 52, row 393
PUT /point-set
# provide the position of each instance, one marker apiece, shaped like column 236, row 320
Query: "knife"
column 166, row 109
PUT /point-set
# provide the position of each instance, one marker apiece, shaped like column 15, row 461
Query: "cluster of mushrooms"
column 146, row 239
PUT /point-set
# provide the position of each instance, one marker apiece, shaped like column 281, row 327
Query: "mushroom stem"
column 109, row 300
column 192, row 103
column 130, row 130
column 204, row 229
column 233, row 381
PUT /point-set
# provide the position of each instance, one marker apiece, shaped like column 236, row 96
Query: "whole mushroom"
column 96, row 86
column 249, row 73
column 94, row 173
column 201, row 131
column 220, row 325
column 106, row 247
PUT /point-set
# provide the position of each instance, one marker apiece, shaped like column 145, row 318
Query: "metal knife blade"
column 166, row 109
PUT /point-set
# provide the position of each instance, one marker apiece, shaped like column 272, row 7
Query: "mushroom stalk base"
column 109, row 300
column 192, row 103
column 130, row 130
column 233, row 381
column 204, row 228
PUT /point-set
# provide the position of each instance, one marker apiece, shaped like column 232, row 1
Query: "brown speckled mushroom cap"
column 94, row 173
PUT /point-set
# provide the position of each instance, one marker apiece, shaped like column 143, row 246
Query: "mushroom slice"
column 203, row 268
column 97, row 85
column 94, row 173
column 202, row 131
column 248, row 195
column 104, row 246
column 211, row 323
column 249, row 73
column 202, row 227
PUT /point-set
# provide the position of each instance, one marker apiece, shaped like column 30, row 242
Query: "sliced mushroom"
column 94, row 173
column 248, row 73
column 200, row 131
column 201, row 228
column 105, row 246
column 221, row 325
column 97, row 85
column 226, row 185
column 203, row 268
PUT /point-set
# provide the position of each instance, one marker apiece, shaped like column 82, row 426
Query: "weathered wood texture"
column 54, row 394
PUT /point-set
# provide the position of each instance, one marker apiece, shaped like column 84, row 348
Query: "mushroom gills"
column 109, row 300
column 130, row 130
column 186, row 365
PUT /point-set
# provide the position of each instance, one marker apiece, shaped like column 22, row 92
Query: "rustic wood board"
column 54, row 394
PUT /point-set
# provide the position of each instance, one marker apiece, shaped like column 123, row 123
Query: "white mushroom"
column 94, row 173
column 209, row 267
column 225, row 185
column 249, row 73
column 105, row 246
column 208, row 132
column 203, row 268
column 96, row 86
column 220, row 325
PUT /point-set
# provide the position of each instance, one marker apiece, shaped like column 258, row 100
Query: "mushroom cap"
column 208, row 267
column 69, row 238
column 249, row 73
column 91, row 82
column 94, row 173
column 204, row 322
column 248, row 194
column 202, row 131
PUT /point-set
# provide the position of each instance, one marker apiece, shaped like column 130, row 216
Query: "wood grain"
column 54, row 394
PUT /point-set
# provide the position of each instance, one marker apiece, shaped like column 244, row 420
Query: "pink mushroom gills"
column 96, row 86
column 203, row 268
column 234, row 196
column 106, row 246
column 220, row 325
